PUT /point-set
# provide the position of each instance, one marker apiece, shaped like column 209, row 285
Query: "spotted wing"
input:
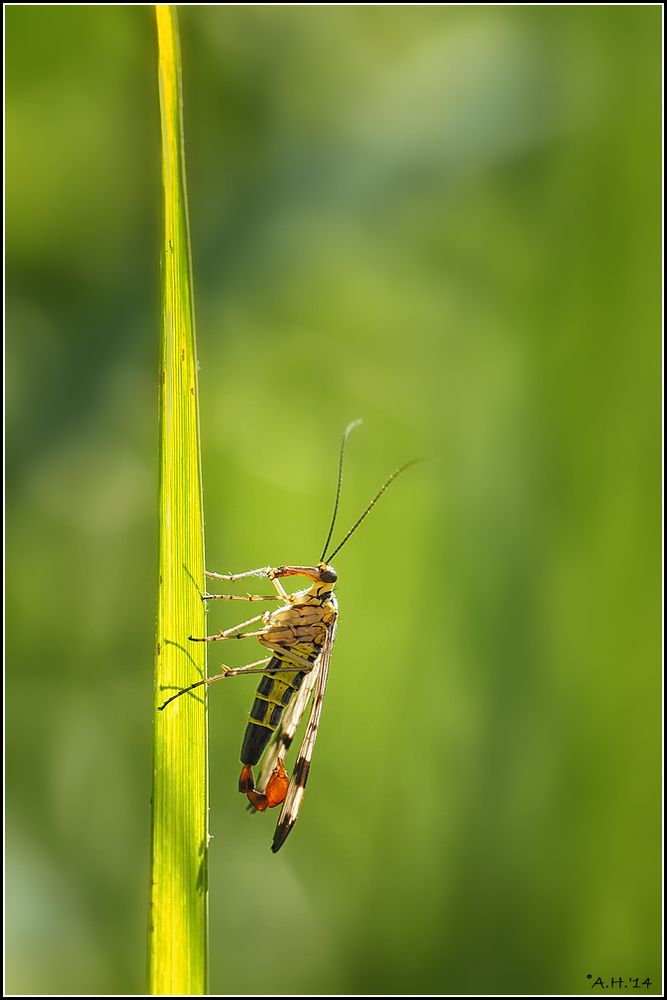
column 294, row 797
column 285, row 733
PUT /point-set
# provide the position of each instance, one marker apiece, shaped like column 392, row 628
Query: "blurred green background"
column 443, row 220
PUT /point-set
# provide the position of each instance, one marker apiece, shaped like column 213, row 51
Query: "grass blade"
column 178, row 899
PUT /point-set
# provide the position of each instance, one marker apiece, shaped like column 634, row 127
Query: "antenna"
column 348, row 430
column 375, row 499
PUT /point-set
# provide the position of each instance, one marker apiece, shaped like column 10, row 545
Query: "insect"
column 300, row 636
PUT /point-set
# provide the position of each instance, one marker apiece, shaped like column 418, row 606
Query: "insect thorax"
column 304, row 619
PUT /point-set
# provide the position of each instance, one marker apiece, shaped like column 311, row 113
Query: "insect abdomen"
column 274, row 693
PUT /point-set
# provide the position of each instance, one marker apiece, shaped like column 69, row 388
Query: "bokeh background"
column 445, row 220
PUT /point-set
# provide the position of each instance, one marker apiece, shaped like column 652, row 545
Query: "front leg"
column 241, row 597
column 265, row 571
column 273, row 573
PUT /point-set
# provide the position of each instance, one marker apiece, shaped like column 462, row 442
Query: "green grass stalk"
column 178, row 933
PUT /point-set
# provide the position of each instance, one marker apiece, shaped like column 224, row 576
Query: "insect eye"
column 328, row 576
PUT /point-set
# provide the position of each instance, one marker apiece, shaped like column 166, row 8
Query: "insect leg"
column 250, row 668
column 266, row 571
column 239, row 635
column 229, row 632
column 241, row 597
column 254, row 668
column 257, row 667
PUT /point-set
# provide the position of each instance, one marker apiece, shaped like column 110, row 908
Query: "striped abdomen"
column 274, row 693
